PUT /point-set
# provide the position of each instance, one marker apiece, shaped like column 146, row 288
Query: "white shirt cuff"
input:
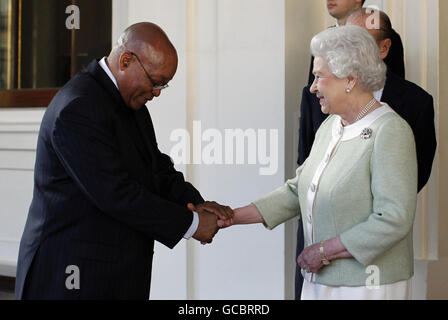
column 194, row 226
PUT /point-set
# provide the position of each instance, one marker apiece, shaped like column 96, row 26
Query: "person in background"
column 340, row 10
column 410, row 101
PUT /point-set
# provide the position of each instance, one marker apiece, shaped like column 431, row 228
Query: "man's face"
column 135, row 86
column 339, row 9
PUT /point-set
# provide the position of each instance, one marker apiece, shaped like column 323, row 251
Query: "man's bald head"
column 142, row 61
column 377, row 23
column 365, row 17
column 147, row 39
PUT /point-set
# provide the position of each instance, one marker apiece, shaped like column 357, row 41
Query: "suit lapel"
column 128, row 118
column 144, row 122
column 95, row 70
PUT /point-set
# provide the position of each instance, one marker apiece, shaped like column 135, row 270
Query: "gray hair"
column 122, row 41
column 351, row 51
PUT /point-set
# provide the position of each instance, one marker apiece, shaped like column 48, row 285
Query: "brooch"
column 366, row 133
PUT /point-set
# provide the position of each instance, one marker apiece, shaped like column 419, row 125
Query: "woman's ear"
column 351, row 83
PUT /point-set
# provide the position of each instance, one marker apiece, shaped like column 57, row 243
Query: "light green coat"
column 367, row 196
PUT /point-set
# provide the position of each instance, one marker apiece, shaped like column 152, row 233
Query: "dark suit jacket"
column 394, row 59
column 410, row 101
column 103, row 193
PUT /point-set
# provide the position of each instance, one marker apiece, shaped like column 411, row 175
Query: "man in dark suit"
column 410, row 101
column 103, row 190
column 341, row 10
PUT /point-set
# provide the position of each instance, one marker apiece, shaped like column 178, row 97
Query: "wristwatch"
column 322, row 254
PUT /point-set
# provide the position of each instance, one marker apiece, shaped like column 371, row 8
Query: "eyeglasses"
column 154, row 87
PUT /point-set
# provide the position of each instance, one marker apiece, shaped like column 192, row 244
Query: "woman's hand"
column 224, row 213
column 310, row 259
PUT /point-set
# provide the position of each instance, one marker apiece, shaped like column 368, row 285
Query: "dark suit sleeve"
column 425, row 141
column 84, row 143
column 306, row 132
column 172, row 184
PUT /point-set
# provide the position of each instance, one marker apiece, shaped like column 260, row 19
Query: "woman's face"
column 329, row 89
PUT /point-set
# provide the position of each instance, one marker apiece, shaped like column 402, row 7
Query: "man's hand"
column 207, row 228
column 224, row 213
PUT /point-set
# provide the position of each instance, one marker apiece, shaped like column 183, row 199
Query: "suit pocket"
column 96, row 251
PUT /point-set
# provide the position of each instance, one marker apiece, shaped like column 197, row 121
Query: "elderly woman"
column 357, row 191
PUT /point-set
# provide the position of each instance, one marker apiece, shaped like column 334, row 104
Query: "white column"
column 417, row 23
column 239, row 84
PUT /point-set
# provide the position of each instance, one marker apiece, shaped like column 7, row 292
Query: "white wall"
column 304, row 19
column 231, row 75
column 437, row 275
column 18, row 139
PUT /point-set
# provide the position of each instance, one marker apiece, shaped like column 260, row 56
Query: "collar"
column 106, row 69
column 378, row 94
column 355, row 129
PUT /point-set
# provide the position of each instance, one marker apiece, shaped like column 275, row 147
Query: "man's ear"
column 125, row 60
column 385, row 47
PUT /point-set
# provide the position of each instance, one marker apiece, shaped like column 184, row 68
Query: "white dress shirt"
column 194, row 225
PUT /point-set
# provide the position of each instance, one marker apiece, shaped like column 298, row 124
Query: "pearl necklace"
column 365, row 110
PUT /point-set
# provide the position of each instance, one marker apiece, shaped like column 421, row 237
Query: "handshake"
column 212, row 217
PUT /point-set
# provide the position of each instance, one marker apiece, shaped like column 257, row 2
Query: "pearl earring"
column 347, row 90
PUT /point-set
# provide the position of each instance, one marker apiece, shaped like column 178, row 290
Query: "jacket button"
column 313, row 187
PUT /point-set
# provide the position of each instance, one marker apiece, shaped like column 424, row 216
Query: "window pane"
column 44, row 44
column 5, row 44
column 94, row 38
column 37, row 48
